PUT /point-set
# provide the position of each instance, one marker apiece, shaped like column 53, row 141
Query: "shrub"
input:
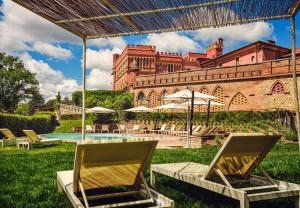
column 16, row 123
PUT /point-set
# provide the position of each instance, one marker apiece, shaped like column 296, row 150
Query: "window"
column 170, row 68
column 237, row 60
column 239, row 99
column 278, row 88
column 220, row 64
column 253, row 59
column 163, row 95
column 141, row 99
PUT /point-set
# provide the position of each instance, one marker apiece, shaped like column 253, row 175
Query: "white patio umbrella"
column 202, row 102
column 139, row 109
column 99, row 110
column 171, row 106
column 187, row 95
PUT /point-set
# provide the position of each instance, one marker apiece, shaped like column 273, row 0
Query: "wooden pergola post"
column 83, row 85
column 296, row 92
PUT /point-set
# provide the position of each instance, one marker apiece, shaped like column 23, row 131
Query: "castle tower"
column 215, row 50
column 115, row 57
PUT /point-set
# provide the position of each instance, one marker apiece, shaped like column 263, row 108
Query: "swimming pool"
column 74, row 136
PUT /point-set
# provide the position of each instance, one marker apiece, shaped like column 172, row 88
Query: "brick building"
column 257, row 76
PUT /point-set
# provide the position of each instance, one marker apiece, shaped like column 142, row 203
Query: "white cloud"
column 101, row 59
column 51, row 80
column 52, row 51
column 99, row 79
column 116, row 42
column 99, row 62
column 234, row 34
column 172, row 42
column 20, row 28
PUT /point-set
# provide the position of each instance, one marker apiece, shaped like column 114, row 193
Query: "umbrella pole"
column 83, row 86
column 192, row 112
column 188, row 126
column 207, row 114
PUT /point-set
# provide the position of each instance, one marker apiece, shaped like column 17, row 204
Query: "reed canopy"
column 108, row 18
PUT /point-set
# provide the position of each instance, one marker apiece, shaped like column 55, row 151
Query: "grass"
column 28, row 178
column 66, row 126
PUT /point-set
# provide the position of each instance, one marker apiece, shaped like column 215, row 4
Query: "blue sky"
column 55, row 55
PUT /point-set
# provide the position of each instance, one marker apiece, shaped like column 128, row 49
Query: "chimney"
column 215, row 50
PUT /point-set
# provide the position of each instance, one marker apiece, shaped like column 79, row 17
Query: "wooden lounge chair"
column 111, row 172
column 104, row 128
column 121, row 128
column 135, row 128
column 172, row 130
column 161, row 130
column 237, row 159
column 34, row 140
column 9, row 137
column 89, row 129
column 195, row 129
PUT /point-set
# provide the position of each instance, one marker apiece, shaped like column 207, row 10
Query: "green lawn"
column 66, row 126
column 28, row 178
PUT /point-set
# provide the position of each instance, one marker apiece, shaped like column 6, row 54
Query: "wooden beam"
column 259, row 188
column 127, row 14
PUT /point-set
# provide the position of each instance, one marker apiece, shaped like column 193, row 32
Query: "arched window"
column 278, row 88
column 219, row 93
column 153, row 100
column 204, row 90
column 239, row 99
column 141, row 99
column 163, row 95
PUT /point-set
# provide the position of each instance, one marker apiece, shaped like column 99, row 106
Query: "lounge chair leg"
column 297, row 201
column 152, row 178
column 244, row 202
column 59, row 188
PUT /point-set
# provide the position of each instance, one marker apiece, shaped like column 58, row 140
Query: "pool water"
column 87, row 136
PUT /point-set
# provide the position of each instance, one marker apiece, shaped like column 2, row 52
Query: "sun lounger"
column 234, row 164
column 34, row 140
column 104, row 128
column 110, row 173
column 172, row 130
column 196, row 129
column 161, row 130
column 9, row 137
column 135, row 129
column 121, row 128
column 89, row 129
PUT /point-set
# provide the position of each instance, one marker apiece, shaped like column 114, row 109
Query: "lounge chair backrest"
column 104, row 164
column 206, row 130
column 197, row 129
column 32, row 135
column 173, row 127
column 88, row 127
column 163, row 127
column 122, row 127
column 136, row 127
column 241, row 154
column 104, row 127
column 8, row 134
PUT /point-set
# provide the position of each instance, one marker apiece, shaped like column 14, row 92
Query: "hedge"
column 16, row 123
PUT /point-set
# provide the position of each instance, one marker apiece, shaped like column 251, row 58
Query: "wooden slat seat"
column 239, row 156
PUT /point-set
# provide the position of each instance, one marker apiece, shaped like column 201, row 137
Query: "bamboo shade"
column 108, row 18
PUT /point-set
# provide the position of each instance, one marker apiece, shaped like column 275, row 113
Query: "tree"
column 58, row 97
column 16, row 83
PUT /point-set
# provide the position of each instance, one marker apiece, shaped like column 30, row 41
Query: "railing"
column 69, row 109
column 269, row 68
